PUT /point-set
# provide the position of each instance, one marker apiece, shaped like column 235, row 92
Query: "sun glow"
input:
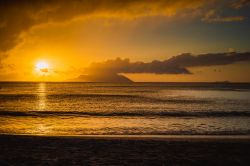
column 42, row 66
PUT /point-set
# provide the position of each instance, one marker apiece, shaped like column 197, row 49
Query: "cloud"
column 44, row 70
column 19, row 16
column 175, row 65
column 240, row 4
column 2, row 57
column 212, row 16
column 212, row 59
column 125, row 66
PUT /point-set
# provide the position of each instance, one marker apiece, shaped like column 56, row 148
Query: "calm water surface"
column 138, row 108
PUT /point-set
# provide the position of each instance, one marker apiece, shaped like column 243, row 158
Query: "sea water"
column 124, row 109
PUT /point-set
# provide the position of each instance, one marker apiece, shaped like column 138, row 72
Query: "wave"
column 128, row 114
column 137, row 98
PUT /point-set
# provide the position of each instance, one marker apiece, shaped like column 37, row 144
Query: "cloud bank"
column 18, row 16
column 212, row 17
column 239, row 4
column 175, row 65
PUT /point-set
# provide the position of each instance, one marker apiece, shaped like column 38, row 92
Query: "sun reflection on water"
column 41, row 94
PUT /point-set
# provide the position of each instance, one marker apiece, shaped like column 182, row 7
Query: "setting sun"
column 42, row 66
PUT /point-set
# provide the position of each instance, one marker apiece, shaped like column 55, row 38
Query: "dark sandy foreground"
column 41, row 150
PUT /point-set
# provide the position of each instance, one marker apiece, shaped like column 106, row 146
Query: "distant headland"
column 112, row 78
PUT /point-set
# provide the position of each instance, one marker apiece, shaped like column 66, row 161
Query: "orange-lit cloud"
column 240, row 3
column 19, row 16
column 211, row 17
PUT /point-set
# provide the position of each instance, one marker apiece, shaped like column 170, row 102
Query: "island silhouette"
column 101, row 77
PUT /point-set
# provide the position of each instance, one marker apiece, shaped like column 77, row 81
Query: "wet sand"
column 115, row 150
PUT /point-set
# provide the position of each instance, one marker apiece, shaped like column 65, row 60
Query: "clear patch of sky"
column 193, row 36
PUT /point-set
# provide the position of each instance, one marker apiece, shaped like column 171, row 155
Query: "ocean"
column 124, row 109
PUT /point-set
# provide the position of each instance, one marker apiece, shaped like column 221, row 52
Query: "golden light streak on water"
column 41, row 92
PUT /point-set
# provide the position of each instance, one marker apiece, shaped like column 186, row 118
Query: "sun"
column 42, row 66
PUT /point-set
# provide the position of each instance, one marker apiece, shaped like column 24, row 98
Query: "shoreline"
column 144, row 137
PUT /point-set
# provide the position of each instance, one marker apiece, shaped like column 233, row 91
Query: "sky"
column 144, row 40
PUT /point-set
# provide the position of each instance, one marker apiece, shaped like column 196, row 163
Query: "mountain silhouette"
column 111, row 78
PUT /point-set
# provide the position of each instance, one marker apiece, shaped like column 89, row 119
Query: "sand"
column 112, row 150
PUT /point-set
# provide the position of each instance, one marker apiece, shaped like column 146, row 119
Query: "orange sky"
column 71, row 37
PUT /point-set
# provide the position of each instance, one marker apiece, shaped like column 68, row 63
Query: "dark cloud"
column 237, row 4
column 17, row 16
column 175, row 65
column 212, row 17
column 212, row 59
column 125, row 66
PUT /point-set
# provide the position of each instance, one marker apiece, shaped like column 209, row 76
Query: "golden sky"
column 67, row 37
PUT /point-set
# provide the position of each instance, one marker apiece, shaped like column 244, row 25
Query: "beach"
column 123, row 150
